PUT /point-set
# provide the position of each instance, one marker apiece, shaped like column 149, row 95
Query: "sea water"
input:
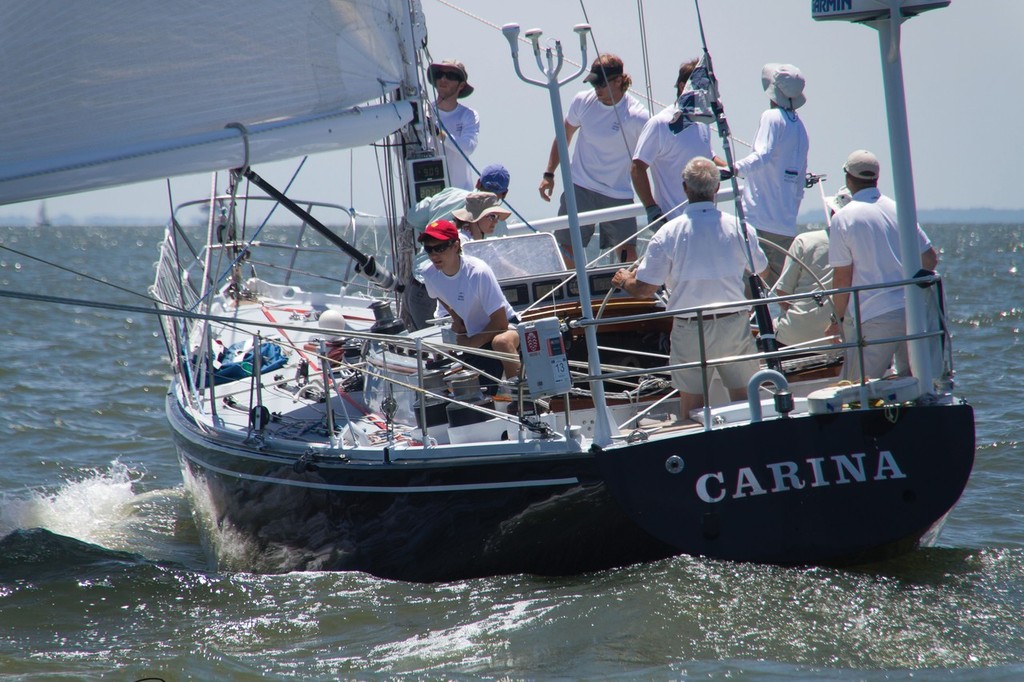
column 102, row 575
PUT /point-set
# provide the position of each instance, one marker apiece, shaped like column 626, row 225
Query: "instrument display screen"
column 428, row 169
column 516, row 294
column 600, row 284
column 541, row 289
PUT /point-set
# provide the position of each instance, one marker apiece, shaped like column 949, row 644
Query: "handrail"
column 600, row 215
column 746, row 303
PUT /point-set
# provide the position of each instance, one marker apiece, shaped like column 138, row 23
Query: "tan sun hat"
column 480, row 204
column 451, row 65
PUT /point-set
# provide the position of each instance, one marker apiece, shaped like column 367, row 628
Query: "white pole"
column 602, row 422
column 903, row 183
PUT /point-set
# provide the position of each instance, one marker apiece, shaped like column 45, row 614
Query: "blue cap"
column 494, row 178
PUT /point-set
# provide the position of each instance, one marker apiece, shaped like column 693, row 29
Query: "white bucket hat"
column 841, row 198
column 784, row 85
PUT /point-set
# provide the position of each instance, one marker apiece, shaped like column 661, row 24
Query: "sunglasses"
column 603, row 82
column 448, row 75
column 438, row 248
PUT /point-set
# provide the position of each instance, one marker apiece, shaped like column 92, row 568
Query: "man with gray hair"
column 701, row 257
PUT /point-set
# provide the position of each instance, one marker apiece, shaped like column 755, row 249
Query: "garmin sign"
column 870, row 10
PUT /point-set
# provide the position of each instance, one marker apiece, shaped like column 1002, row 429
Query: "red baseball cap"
column 441, row 230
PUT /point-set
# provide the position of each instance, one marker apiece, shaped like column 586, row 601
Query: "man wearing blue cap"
column 494, row 179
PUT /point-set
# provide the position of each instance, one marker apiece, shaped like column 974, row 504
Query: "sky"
column 960, row 64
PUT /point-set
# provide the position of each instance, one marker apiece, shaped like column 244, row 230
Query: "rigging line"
column 644, row 52
column 78, row 273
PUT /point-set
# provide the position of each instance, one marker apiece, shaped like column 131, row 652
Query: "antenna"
column 549, row 62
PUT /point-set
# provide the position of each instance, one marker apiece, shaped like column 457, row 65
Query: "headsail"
column 98, row 95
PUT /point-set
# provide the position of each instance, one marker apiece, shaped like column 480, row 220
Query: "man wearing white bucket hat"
column 776, row 169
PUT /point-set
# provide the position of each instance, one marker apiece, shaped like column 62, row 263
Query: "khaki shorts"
column 723, row 337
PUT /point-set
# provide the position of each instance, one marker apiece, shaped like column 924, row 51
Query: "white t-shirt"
column 605, row 142
column 701, row 258
column 473, row 292
column 668, row 154
column 775, row 173
column 865, row 234
column 463, row 126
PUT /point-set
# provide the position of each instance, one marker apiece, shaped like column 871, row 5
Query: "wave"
column 107, row 510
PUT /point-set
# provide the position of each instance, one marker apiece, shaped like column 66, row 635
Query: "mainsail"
column 103, row 94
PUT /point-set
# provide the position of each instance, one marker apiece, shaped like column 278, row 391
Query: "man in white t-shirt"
column 469, row 291
column 609, row 121
column 864, row 248
column 701, row 258
column 776, row 170
column 460, row 125
column 666, row 153
column 417, row 306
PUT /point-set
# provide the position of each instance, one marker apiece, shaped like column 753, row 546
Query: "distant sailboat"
column 42, row 219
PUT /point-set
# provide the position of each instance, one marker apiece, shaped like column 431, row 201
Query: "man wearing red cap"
column 469, row 291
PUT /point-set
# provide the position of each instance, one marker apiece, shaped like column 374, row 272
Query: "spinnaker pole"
column 365, row 265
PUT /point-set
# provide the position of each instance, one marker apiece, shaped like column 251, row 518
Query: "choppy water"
column 101, row 575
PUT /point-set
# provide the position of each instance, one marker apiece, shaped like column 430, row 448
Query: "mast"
column 886, row 17
column 602, row 425
column 766, row 341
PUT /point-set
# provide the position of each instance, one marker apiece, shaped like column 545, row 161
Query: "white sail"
column 102, row 94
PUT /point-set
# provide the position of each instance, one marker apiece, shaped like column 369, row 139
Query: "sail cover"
column 97, row 94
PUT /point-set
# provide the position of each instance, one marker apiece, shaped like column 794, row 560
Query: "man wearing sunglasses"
column 467, row 288
column 417, row 307
column 609, row 121
column 480, row 215
column 460, row 125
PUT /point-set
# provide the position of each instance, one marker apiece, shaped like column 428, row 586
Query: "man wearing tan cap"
column 864, row 248
column 460, row 125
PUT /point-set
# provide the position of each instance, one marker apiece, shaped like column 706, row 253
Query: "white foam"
column 93, row 509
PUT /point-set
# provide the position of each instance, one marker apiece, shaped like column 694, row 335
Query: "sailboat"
column 316, row 432
column 42, row 219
